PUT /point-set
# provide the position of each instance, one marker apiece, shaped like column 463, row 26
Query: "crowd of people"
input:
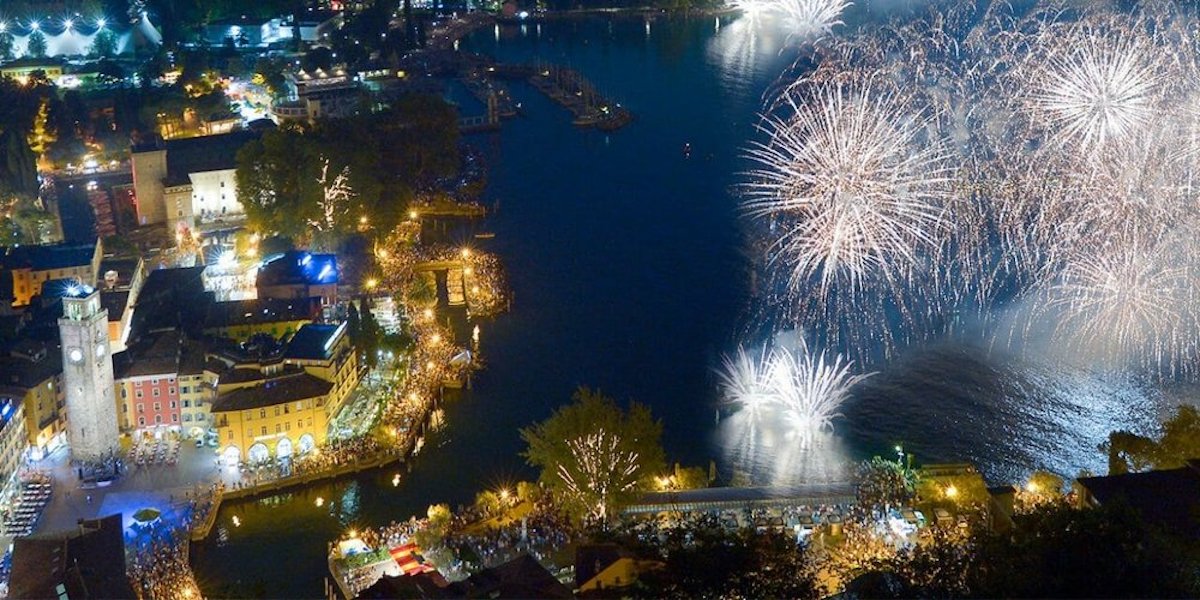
column 475, row 540
column 157, row 562
column 540, row 533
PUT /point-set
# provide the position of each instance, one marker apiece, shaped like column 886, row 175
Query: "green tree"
column 35, row 46
column 104, row 45
column 689, row 478
column 7, row 43
column 1178, row 442
column 422, row 134
column 270, row 174
column 354, row 327
column 884, row 483
column 1180, row 439
column 18, row 163
column 371, row 334
column 595, row 457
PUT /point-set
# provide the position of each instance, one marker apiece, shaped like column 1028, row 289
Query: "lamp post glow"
column 102, row 23
column 34, row 25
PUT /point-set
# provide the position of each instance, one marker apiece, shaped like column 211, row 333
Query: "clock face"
column 75, row 354
column 101, row 349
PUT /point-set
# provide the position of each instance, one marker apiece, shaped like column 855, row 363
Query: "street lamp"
column 102, row 23
column 68, row 24
column 951, row 492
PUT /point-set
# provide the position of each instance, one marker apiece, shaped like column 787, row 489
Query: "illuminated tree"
column 333, row 204
column 41, row 136
column 594, row 456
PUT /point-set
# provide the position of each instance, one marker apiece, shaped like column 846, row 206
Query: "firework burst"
column 803, row 386
column 1097, row 92
column 810, row 19
column 976, row 158
column 1128, row 306
column 858, row 191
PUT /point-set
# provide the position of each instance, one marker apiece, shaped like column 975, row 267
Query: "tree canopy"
column 595, row 457
column 1178, row 442
column 883, row 483
column 299, row 180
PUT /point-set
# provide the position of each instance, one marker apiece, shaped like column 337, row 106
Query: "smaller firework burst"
column 803, row 386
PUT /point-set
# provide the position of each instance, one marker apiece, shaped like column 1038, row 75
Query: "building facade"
column 186, row 182
column 13, row 439
column 33, row 376
column 92, row 426
column 282, row 407
column 281, row 415
column 32, row 266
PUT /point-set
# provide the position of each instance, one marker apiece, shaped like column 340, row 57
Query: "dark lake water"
column 629, row 273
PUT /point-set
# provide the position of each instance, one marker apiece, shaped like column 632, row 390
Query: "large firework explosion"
column 858, row 190
column 983, row 157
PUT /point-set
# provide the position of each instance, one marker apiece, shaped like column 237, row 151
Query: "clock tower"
column 88, row 376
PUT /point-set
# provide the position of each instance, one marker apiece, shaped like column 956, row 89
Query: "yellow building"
column 325, row 351
column 32, row 266
column 32, row 376
column 282, row 414
column 22, row 68
column 197, row 390
column 280, row 407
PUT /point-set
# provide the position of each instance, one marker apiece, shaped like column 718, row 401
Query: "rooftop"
column 297, row 267
column 171, row 299
column 200, row 154
column 262, row 310
column 192, row 358
column 88, row 562
column 114, row 303
column 122, row 270
column 43, row 258
column 314, row 341
column 25, row 372
column 154, row 355
column 1169, row 498
column 277, row 390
